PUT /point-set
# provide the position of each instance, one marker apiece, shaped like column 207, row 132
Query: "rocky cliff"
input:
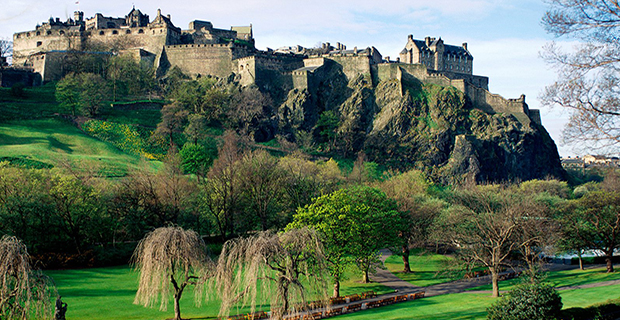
column 404, row 123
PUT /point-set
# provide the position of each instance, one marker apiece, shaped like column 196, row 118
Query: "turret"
column 78, row 16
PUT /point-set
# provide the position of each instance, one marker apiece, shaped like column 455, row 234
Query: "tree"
column 261, row 180
column 6, row 51
column 24, row 293
column 288, row 268
column 354, row 224
column 419, row 210
column 596, row 221
column 222, row 190
column 483, row 224
column 588, row 76
column 170, row 259
column 83, row 92
column 68, row 93
column 527, row 301
column 173, row 117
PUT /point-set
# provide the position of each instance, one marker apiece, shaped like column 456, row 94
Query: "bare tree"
column 484, row 224
column 169, row 259
column 288, row 269
column 24, row 293
column 6, row 52
column 262, row 182
column 222, row 189
column 173, row 118
column 587, row 77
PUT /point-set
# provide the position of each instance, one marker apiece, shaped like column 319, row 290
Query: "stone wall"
column 205, row 59
column 10, row 77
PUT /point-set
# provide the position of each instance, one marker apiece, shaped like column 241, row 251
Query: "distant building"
column 437, row 56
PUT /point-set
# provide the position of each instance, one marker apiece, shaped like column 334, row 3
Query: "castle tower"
column 438, row 49
column 78, row 16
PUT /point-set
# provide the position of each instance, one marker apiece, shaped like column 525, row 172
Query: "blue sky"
column 504, row 36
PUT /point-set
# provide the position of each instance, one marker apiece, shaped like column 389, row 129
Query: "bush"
column 528, row 301
column 17, row 90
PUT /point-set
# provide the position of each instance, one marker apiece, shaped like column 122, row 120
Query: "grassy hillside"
column 53, row 141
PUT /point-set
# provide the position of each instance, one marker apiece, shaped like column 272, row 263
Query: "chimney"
column 410, row 37
column 427, row 40
column 465, row 45
column 168, row 17
column 158, row 12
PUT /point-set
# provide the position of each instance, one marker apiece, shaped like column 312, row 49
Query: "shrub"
column 17, row 90
column 528, row 301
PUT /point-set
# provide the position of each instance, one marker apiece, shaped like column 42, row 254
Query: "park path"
column 388, row 279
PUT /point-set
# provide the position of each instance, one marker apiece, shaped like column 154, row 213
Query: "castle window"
column 38, row 33
column 101, row 33
column 48, row 32
column 39, row 43
column 115, row 32
column 18, row 36
column 62, row 33
column 140, row 31
column 28, row 34
column 128, row 32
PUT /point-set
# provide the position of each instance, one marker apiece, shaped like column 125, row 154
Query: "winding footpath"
column 388, row 279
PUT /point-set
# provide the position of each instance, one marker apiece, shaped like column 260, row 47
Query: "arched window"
column 48, row 33
column 140, row 31
column 62, row 33
column 38, row 33
column 39, row 43
column 101, row 33
column 128, row 32
column 115, row 32
column 28, row 34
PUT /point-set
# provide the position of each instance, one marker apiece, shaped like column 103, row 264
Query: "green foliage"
column 81, row 93
column 354, row 223
column 126, row 77
column 196, row 158
column 124, row 137
column 529, row 301
column 326, row 126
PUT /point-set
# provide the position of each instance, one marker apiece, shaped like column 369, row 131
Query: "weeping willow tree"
column 285, row 269
column 24, row 293
column 170, row 259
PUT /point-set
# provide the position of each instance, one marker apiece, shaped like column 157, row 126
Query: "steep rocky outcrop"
column 403, row 123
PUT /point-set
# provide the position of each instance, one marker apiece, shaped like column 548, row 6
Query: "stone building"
column 159, row 42
column 437, row 56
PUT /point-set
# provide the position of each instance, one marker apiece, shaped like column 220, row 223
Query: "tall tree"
column 173, row 118
column 262, row 180
column 354, row 224
column 222, row 190
column 588, row 76
column 596, row 221
column 170, row 259
column 287, row 268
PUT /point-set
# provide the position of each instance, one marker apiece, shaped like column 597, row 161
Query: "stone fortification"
column 203, row 50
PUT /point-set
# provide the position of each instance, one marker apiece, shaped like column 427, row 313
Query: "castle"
column 203, row 50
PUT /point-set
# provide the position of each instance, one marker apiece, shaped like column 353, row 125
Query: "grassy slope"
column 53, row 141
column 108, row 293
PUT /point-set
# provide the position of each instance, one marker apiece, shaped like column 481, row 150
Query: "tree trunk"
column 405, row 254
column 580, row 260
column 609, row 260
column 336, row 289
column 495, row 282
column 366, row 278
column 177, row 309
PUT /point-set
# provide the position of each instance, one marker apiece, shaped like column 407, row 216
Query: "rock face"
column 404, row 124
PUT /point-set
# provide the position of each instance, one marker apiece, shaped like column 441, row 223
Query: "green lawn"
column 428, row 268
column 472, row 305
column 108, row 293
column 53, row 141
